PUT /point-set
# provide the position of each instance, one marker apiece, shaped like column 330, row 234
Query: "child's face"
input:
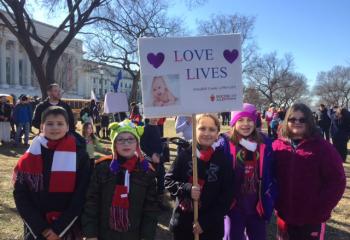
column 89, row 130
column 55, row 127
column 125, row 145
column 245, row 126
column 296, row 124
column 158, row 87
column 207, row 132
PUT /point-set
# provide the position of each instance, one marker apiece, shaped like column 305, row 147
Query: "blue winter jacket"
column 22, row 113
column 268, row 184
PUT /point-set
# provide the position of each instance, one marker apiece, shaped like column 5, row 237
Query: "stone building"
column 74, row 74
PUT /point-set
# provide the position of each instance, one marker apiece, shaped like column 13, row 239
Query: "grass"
column 11, row 227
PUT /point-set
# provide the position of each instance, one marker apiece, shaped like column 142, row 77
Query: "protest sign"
column 184, row 76
column 115, row 102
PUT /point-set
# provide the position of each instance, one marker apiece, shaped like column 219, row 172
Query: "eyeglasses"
column 124, row 141
column 294, row 120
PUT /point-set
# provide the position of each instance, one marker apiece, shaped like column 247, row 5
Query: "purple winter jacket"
column 311, row 180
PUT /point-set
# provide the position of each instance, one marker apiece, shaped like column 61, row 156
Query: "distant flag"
column 115, row 84
column 93, row 96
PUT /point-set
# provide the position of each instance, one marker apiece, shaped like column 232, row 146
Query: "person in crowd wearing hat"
column 50, row 181
column 254, row 183
column 214, row 188
column 310, row 176
column 121, row 202
column 22, row 116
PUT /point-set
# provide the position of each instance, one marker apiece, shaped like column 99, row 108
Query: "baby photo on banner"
column 188, row 75
column 163, row 90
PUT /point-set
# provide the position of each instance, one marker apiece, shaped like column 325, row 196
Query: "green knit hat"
column 125, row 126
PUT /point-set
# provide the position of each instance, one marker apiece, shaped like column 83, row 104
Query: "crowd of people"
column 63, row 190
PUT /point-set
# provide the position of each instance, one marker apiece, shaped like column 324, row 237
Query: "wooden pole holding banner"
column 194, row 170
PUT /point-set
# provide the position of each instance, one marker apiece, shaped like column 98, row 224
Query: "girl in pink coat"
column 310, row 176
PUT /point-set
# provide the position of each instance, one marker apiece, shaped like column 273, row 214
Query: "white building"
column 76, row 76
column 100, row 78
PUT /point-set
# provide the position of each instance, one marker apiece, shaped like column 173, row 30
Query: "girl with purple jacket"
column 310, row 177
column 254, row 183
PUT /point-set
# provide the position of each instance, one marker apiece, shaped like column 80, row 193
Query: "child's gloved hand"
column 196, row 192
column 197, row 229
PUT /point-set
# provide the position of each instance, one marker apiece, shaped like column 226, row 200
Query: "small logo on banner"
column 212, row 98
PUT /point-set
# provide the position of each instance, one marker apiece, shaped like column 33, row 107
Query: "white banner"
column 115, row 102
column 182, row 76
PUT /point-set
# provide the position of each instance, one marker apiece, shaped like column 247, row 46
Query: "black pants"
column 269, row 130
column 341, row 145
column 325, row 132
column 188, row 235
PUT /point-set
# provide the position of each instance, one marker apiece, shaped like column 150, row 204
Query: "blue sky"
column 315, row 32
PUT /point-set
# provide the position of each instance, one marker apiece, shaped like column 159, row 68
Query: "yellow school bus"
column 76, row 104
column 8, row 97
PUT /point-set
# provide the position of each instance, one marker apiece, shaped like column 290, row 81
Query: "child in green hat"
column 122, row 200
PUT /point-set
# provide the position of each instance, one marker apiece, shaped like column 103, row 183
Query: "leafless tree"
column 18, row 20
column 269, row 73
column 236, row 23
column 115, row 41
column 253, row 96
column 191, row 4
column 293, row 88
column 333, row 87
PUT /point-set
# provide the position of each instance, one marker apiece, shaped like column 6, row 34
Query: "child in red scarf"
column 122, row 198
column 213, row 192
column 50, row 181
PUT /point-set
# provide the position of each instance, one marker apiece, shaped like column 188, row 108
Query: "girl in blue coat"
column 254, row 183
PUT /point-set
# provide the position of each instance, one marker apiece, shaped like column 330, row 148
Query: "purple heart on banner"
column 155, row 60
column 231, row 56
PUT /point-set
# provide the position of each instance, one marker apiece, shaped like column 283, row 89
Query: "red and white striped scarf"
column 205, row 155
column 29, row 168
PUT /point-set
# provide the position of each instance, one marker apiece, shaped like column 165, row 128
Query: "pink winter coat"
column 310, row 179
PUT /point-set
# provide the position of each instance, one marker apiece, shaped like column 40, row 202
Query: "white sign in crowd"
column 184, row 76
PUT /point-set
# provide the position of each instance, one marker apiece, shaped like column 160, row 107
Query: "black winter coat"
column 216, row 195
column 41, row 107
column 33, row 206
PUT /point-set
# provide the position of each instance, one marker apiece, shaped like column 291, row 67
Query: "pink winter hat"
column 249, row 110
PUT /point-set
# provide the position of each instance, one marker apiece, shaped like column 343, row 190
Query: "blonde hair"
column 159, row 78
column 209, row 115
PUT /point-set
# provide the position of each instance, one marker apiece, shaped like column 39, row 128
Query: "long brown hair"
column 84, row 131
column 310, row 125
